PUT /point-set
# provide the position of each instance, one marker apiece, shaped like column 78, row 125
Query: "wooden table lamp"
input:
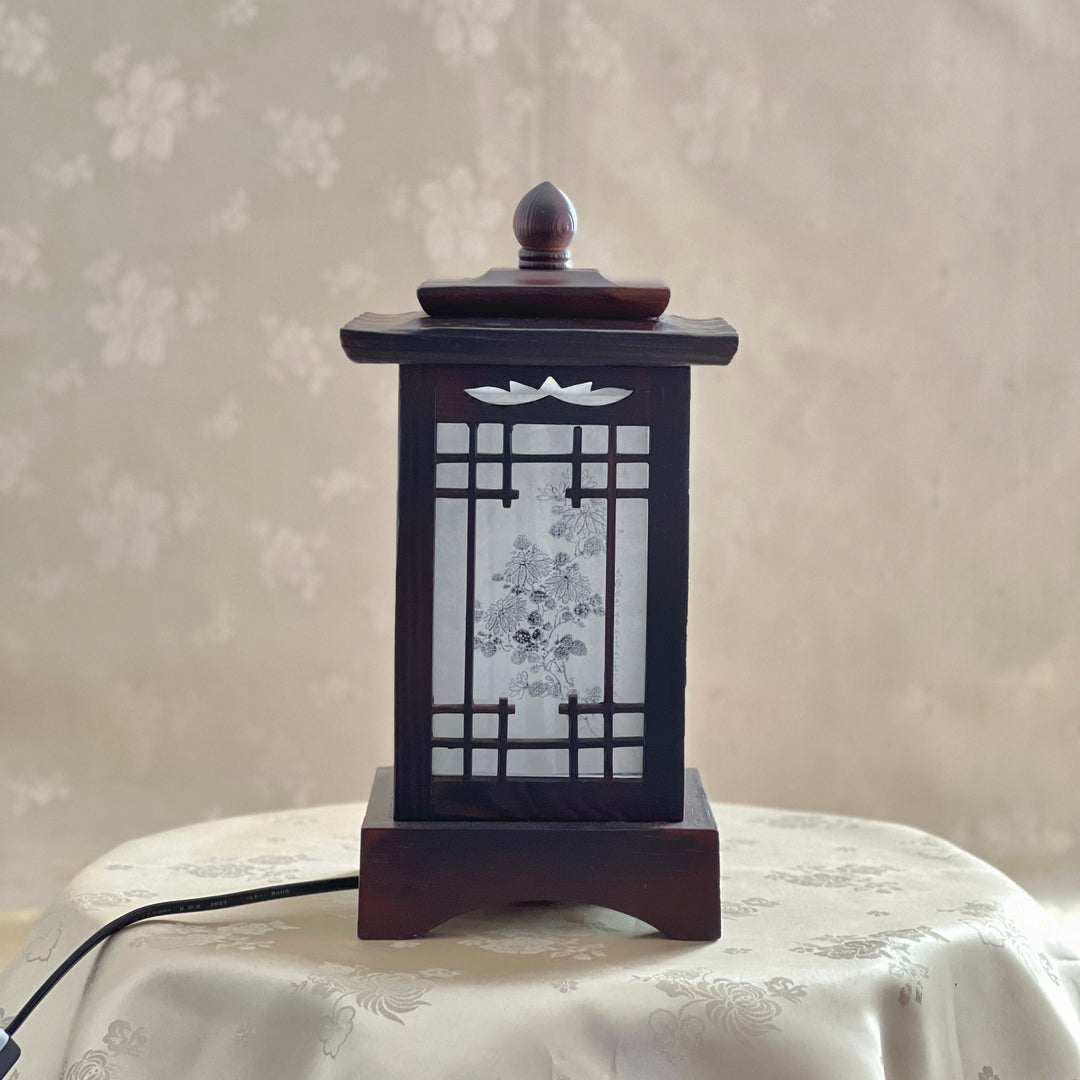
column 543, row 536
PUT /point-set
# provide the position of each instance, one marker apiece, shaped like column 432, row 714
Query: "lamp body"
column 542, row 577
column 542, row 590
column 542, row 563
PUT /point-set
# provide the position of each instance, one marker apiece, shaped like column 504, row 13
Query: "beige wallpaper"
column 196, row 503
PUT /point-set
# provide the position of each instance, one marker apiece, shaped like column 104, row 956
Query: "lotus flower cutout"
column 520, row 394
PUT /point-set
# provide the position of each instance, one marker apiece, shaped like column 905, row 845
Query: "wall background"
column 196, row 523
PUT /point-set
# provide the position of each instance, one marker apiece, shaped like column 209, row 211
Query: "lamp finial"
column 544, row 224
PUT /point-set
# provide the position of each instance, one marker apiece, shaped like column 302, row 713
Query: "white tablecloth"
column 852, row 950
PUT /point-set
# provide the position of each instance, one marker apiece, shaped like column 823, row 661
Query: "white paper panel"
column 453, row 474
column 446, row 761
column 631, row 474
column 489, row 475
column 537, row 762
column 485, row 762
column 452, row 438
column 590, row 726
column 594, row 475
column 543, row 439
column 447, row 725
column 539, row 592
column 594, row 439
column 632, row 440
column 537, row 718
column 626, row 760
column 485, row 725
column 631, row 567
column 539, row 618
column 628, row 725
column 489, row 438
column 591, row 761
column 448, row 603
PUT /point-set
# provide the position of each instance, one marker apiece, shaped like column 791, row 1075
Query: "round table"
column 851, row 950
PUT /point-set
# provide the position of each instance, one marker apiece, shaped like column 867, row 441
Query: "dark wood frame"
column 415, row 338
column 431, row 393
column 415, row 875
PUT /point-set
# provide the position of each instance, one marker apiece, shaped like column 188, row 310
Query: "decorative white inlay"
column 520, row 394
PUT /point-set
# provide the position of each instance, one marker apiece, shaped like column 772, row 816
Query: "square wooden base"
column 417, row 874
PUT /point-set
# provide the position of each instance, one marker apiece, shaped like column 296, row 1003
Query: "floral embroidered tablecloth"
column 851, row 950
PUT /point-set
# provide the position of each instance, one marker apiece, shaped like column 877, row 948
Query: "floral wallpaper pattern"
column 196, row 495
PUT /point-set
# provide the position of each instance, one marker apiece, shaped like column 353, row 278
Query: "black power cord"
column 9, row 1051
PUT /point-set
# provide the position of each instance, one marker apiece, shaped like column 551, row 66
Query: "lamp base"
column 417, row 874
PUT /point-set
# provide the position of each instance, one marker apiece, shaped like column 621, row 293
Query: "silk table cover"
column 851, row 950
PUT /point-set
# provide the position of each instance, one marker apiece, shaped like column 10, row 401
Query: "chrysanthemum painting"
column 545, row 599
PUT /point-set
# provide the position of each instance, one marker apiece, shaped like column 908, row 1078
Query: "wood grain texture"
column 415, row 875
column 544, row 224
column 415, row 338
column 413, row 613
column 565, row 294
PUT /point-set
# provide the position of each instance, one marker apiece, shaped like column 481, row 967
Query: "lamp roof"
column 542, row 311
